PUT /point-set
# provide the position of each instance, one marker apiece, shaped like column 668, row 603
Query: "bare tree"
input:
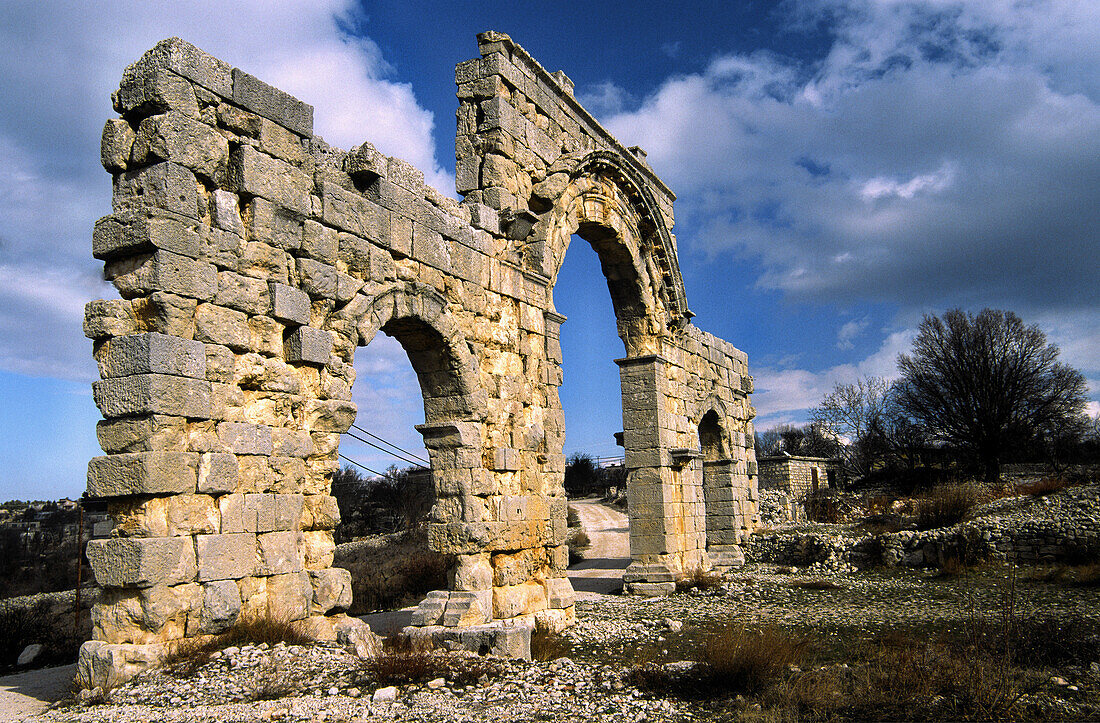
column 987, row 382
column 855, row 413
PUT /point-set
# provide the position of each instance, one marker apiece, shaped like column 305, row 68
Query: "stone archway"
column 252, row 259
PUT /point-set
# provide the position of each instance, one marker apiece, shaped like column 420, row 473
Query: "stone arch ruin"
column 252, row 259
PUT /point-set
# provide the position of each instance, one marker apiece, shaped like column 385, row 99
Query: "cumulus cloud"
column 59, row 65
column 849, row 331
column 941, row 153
column 783, row 394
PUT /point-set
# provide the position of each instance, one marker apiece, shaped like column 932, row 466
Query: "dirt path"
column 601, row 572
column 28, row 694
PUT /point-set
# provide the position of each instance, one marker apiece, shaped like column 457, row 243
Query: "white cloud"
column 937, row 156
column 604, row 98
column 783, row 395
column 881, row 187
column 58, row 65
column 849, row 331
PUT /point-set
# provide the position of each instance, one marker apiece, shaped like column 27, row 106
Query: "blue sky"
column 842, row 167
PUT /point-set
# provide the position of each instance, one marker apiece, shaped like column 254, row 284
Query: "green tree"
column 985, row 383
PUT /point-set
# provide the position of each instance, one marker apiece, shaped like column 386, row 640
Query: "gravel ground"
column 586, row 680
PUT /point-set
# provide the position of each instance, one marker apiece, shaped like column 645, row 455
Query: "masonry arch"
column 454, row 402
column 600, row 199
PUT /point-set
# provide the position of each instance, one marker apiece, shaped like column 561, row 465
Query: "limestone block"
column 218, row 325
column 142, row 561
column 139, row 516
column 289, row 474
column 288, row 511
column 505, row 459
column 220, row 362
column 278, row 553
column 174, row 136
column 467, row 608
column 651, row 589
column 227, row 212
column 108, row 318
column 145, row 473
column 331, row 590
column 317, row 549
column 289, row 596
column 259, row 174
column 152, row 394
column 259, row 512
column 319, row 242
column 243, row 293
column 154, row 353
column 149, row 433
column 316, row 278
column 165, row 609
column 308, row 345
column 192, row 514
column 515, row 600
column 320, row 512
column 291, row 442
column 167, row 186
column 351, row 212
column 288, row 304
column 271, row 103
column 218, row 473
column 108, row 665
column 277, row 141
column 163, row 271
column 226, row 557
column 431, row 248
column 221, row 605
column 513, row 568
column 115, row 143
column 559, row 592
column 473, row 572
column 328, row 415
column 241, row 438
column 185, row 60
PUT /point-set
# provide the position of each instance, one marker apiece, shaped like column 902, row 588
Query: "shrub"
column 822, row 507
column 733, row 659
column 578, row 542
column 402, row 662
column 699, row 579
column 1044, row 486
column 947, row 505
column 21, row 626
column 188, row 655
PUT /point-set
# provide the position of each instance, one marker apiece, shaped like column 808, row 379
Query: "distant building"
column 797, row 476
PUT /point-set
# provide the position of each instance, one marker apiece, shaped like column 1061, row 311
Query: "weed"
column 578, row 542
column 699, row 579
column 1045, row 486
column 822, row 507
column 402, row 663
column 271, row 682
column 947, row 505
column 547, row 645
column 188, row 655
column 21, row 626
column 734, row 659
column 572, row 519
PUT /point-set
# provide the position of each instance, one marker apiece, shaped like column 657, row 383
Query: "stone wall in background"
column 797, row 476
column 252, row 260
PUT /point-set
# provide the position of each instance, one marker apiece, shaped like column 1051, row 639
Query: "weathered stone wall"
column 253, row 260
column 794, row 475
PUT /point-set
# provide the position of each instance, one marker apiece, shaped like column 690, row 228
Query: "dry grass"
column 578, row 542
column 1084, row 575
column 1045, row 486
column 732, row 659
column 822, row 507
column 947, row 505
column 546, row 645
column 188, row 655
column 402, row 663
column 699, row 579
